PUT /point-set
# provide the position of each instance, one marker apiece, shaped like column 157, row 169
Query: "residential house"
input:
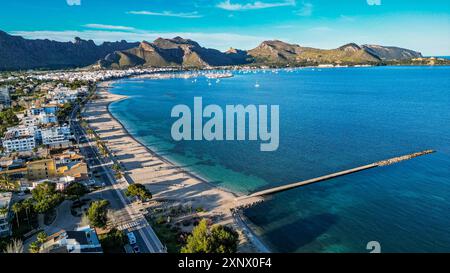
column 81, row 240
column 46, row 109
column 40, row 119
column 77, row 170
column 68, row 156
column 61, row 182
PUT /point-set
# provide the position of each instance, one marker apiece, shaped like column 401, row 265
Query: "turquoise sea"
column 330, row 120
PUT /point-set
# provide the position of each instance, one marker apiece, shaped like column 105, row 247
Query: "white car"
column 91, row 182
column 131, row 238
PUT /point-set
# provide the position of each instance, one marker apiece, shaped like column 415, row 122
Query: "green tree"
column 139, row 191
column 198, row 241
column 113, row 241
column 64, row 112
column 27, row 204
column 97, row 213
column 7, row 184
column 224, row 239
column 15, row 246
column 218, row 239
column 3, row 210
column 34, row 247
column 46, row 197
column 17, row 208
column 41, row 237
column 118, row 175
column 76, row 189
column 7, row 119
column 116, row 167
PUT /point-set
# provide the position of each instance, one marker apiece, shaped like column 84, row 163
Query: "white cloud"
column 305, row 10
column 320, row 29
column 167, row 13
column 73, row 2
column 110, row 27
column 227, row 5
column 221, row 41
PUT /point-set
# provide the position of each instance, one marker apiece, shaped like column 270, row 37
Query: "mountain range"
column 19, row 53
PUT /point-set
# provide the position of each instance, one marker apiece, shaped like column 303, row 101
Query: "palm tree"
column 27, row 205
column 7, row 184
column 3, row 210
column 41, row 237
column 34, row 247
column 16, row 246
column 17, row 208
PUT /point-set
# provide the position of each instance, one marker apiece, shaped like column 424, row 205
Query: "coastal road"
column 130, row 220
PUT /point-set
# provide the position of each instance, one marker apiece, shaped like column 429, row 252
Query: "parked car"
column 136, row 249
column 131, row 238
column 89, row 182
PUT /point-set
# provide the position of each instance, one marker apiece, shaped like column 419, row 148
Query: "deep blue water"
column 330, row 120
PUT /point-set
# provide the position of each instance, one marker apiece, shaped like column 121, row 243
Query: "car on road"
column 136, row 249
column 90, row 182
column 131, row 238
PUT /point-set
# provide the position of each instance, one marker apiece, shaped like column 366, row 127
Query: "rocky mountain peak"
column 350, row 47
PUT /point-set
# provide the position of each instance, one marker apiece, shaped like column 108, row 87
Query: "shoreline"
column 183, row 187
column 173, row 163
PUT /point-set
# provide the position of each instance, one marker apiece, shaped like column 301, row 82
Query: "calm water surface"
column 330, row 120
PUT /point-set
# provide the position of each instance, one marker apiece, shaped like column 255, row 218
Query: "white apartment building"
column 47, row 109
column 42, row 118
column 15, row 142
column 5, row 218
column 56, row 135
column 61, row 94
column 25, row 130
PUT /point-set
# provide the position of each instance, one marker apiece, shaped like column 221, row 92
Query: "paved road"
column 130, row 220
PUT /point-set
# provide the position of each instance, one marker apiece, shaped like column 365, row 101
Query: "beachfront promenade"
column 129, row 218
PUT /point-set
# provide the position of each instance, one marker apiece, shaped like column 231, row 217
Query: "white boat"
column 257, row 85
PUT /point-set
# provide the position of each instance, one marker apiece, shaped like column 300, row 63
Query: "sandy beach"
column 169, row 184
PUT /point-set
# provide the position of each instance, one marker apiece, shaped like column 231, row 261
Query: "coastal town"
column 72, row 180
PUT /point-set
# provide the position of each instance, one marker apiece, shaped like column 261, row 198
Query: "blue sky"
column 416, row 24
